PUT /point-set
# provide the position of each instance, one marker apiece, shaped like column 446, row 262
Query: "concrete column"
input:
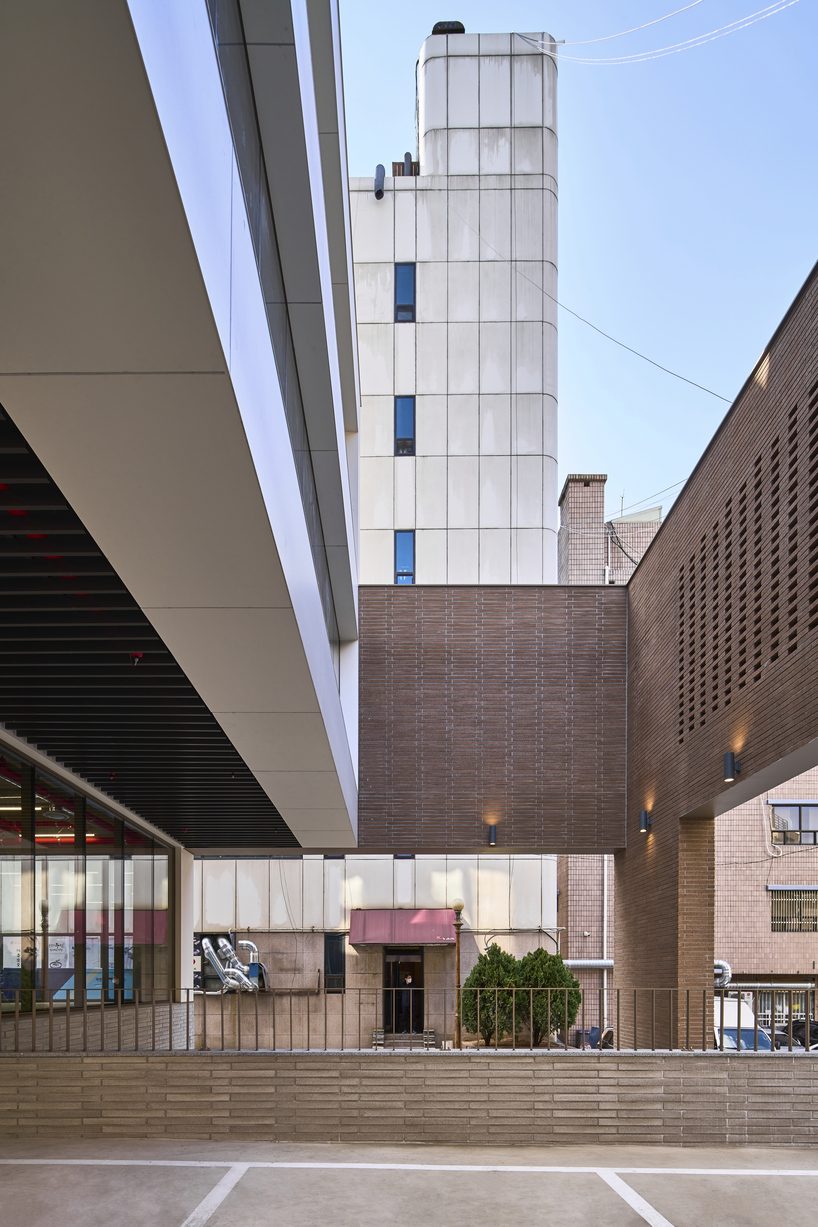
column 183, row 926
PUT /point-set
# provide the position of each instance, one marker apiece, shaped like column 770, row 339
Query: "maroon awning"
column 423, row 926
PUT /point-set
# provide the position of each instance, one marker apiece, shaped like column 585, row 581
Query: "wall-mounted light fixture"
column 492, row 835
column 644, row 821
column 732, row 767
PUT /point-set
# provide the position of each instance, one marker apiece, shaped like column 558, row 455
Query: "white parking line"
column 629, row 1195
column 216, row 1196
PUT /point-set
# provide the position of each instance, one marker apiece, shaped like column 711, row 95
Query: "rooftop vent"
column 449, row 27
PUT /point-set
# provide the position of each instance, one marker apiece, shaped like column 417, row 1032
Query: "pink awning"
column 425, row 926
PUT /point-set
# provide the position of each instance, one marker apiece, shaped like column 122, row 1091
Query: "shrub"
column 484, row 1009
column 540, row 971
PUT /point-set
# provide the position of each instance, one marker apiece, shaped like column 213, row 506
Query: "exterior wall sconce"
column 492, row 835
column 732, row 767
column 644, row 821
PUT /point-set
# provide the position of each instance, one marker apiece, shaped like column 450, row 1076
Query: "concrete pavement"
column 189, row 1184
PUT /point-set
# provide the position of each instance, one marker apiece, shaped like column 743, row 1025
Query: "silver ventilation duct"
column 722, row 973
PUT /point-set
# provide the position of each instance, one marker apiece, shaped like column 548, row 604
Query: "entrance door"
column 402, row 1001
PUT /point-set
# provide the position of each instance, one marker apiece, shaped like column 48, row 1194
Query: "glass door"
column 403, row 990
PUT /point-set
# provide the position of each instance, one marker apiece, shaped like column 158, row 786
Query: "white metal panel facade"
column 294, row 894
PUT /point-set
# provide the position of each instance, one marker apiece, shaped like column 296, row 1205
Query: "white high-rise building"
column 457, row 341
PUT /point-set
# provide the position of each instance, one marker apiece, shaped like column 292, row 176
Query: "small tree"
column 540, row 971
column 485, row 1009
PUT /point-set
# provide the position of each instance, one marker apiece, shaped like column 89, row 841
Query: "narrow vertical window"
column 404, row 558
column 404, row 293
column 334, row 963
column 404, row 425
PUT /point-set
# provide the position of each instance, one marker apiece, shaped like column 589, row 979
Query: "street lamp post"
column 458, row 906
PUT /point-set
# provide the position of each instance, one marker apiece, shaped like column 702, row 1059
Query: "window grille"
column 794, row 911
column 782, row 1007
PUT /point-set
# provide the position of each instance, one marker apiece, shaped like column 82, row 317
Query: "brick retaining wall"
column 507, row 1098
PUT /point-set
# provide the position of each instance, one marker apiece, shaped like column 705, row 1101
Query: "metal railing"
column 122, row 1020
column 401, row 1019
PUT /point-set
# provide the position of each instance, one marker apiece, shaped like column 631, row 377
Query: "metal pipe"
column 766, row 986
column 722, row 972
column 380, row 174
column 603, row 1021
column 232, row 978
column 230, row 957
column 263, row 973
column 589, row 964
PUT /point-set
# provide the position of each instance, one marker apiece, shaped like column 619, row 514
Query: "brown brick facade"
column 503, row 703
column 723, row 610
column 510, row 702
column 722, row 651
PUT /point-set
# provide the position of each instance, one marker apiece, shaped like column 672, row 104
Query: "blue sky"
column 688, row 204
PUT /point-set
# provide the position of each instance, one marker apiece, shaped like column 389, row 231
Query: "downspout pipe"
column 604, row 939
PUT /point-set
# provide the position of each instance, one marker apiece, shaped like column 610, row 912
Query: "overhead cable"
column 688, row 45
column 607, row 37
column 583, row 320
column 647, row 499
column 621, row 544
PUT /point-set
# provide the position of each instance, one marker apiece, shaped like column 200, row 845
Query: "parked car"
column 780, row 1038
column 739, row 1026
column 799, row 1031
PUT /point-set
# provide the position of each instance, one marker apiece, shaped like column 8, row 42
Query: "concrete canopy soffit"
column 138, row 366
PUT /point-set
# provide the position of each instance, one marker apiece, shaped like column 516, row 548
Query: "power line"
column 644, row 357
column 583, row 320
column 621, row 545
column 648, row 497
column 584, row 41
column 687, row 45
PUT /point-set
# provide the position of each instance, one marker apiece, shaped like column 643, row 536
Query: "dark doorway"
column 402, row 1002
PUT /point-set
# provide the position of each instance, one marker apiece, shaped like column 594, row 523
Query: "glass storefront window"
column 10, row 805
column 53, row 814
column 84, row 898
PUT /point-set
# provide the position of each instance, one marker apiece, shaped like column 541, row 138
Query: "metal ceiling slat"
column 78, row 544
column 68, row 626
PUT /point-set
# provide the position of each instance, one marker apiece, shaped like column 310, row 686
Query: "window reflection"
column 84, row 897
column 794, row 824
